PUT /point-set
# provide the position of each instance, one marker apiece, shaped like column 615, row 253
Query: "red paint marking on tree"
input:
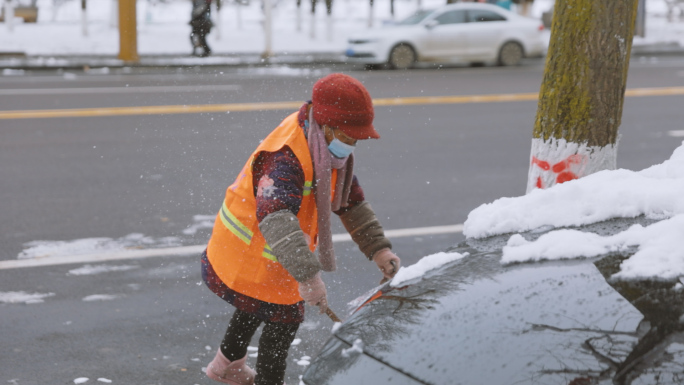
column 565, row 176
column 542, row 164
column 559, row 168
column 562, row 165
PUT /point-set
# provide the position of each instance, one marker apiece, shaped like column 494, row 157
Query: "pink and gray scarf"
column 323, row 163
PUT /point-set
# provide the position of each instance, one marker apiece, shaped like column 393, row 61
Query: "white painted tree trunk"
column 148, row 12
column 312, row 31
column 329, row 27
column 114, row 14
column 84, row 21
column 370, row 15
column 9, row 15
column 238, row 13
column 268, row 30
column 218, row 22
column 55, row 10
column 557, row 160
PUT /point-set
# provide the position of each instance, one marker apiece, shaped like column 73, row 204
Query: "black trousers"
column 274, row 343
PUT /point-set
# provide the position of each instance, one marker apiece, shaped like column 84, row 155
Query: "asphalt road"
column 159, row 177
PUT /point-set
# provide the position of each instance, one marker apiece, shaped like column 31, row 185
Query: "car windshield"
column 416, row 17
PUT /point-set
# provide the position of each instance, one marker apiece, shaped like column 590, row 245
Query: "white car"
column 454, row 33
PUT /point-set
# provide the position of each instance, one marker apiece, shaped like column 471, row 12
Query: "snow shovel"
column 334, row 316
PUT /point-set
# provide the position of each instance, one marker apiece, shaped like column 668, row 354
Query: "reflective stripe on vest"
column 268, row 253
column 307, row 187
column 234, row 225
column 241, row 231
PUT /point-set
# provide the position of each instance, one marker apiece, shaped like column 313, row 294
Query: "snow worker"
column 260, row 257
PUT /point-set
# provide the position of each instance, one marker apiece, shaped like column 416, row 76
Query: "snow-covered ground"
column 163, row 26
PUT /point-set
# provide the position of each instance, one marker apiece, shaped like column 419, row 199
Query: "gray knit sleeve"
column 283, row 234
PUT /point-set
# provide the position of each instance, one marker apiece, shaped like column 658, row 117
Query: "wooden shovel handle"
column 332, row 315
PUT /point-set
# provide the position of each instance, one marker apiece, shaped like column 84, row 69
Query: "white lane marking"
column 676, row 133
column 189, row 250
column 120, row 90
column 399, row 233
column 102, row 257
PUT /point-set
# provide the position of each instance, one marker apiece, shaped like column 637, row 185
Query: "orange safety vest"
column 237, row 251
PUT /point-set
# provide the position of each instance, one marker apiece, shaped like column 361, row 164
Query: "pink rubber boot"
column 233, row 373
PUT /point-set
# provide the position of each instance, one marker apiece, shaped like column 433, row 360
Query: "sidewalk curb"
column 19, row 61
column 659, row 49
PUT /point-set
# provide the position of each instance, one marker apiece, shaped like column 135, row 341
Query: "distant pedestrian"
column 260, row 257
column 200, row 20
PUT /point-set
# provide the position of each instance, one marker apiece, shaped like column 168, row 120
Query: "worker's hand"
column 387, row 262
column 314, row 293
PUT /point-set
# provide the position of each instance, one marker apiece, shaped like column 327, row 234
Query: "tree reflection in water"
column 662, row 304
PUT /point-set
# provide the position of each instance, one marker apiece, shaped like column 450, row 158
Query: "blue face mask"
column 340, row 150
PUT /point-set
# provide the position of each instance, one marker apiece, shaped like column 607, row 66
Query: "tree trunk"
column 329, row 22
column 268, row 30
column 370, row 14
column 312, row 26
column 84, row 18
column 582, row 92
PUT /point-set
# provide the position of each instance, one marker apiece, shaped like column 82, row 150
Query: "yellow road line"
column 149, row 110
column 663, row 91
column 235, row 107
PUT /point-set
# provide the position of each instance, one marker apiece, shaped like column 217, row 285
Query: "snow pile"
column 23, row 297
column 660, row 254
column 12, row 72
column 657, row 192
column 100, row 297
column 357, row 348
column 43, row 249
column 201, row 222
column 421, row 267
column 98, row 269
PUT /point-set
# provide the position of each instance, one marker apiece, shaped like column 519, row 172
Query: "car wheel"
column 510, row 54
column 402, row 56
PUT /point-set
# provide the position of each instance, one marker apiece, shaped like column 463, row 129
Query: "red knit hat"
column 342, row 102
